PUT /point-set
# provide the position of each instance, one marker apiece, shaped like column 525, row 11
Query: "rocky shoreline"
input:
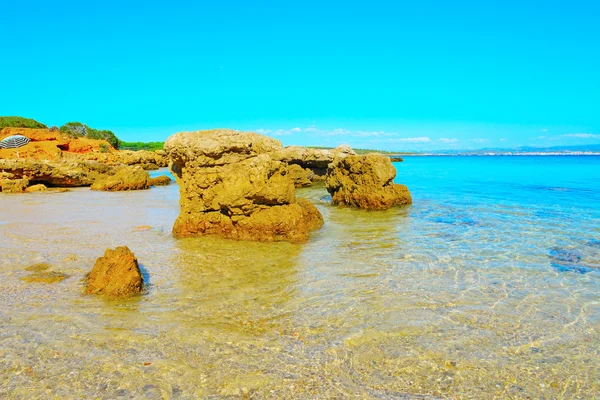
column 237, row 185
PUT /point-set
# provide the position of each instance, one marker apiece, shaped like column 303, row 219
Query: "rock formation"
column 116, row 274
column 14, row 185
column 365, row 181
column 315, row 160
column 73, row 174
column 40, row 187
column 161, row 180
column 300, row 176
column 231, row 186
column 47, row 144
column 148, row 160
column 52, row 144
column 125, row 178
column 56, row 173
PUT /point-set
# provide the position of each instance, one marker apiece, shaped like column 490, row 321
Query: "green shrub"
column 103, row 148
column 77, row 129
column 152, row 146
column 20, row 122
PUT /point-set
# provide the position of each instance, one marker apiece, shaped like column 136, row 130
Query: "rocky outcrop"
column 116, row 274
column 300, row 176
column 75, row 173
column 366, row 182
column 50, row 144
column 149, row 160
column 161, row 180
column 56, row 173
column 232, row 187
column 125, row 178
column 307, row 157
column 14, row 185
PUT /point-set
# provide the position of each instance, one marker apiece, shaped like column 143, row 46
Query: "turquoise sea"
column 486, row 287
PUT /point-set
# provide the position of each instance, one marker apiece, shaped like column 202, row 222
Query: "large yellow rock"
column 232, row 187
column 365, row 181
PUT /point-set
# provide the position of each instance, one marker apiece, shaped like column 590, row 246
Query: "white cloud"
column 448, row 140
column 421, row 139
column 582, row 135
column 479, row 140
column 295, row 130
column 544, row 130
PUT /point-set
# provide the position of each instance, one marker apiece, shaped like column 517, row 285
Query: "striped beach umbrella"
column 14, row 142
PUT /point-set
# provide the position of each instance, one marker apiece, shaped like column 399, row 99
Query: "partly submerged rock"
column 571, row 259
column 231, row 186
column 38, row 267
column 125, row 178
column 45, row 277
column 161, row 180
column 40, row 273
column 365, row 181
column 40, row 187
column 116, row 274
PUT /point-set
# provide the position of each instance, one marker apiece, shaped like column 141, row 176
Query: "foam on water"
column 457, row 296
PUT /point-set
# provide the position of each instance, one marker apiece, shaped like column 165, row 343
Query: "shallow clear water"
column 488, row 286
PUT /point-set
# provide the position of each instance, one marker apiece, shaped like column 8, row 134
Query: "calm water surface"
column 487, row 287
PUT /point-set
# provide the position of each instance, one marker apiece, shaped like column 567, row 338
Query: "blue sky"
column 379, row 74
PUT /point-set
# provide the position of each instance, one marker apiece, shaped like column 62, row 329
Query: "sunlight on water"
column 486, row 287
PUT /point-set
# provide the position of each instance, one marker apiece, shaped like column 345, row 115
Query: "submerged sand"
column 376, row 305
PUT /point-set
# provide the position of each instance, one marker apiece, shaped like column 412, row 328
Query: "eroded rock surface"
column 116, row 274
column 300, row 176
column 72, row 173
column 14, row 185
column 366, row 182
column 231, row 186
column 161, row 180
column 125, row 178
column 56, row 173
column 314, row 159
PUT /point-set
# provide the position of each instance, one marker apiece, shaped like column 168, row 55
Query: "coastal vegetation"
column 77, row 129
column 20, row 122
column 135, row 146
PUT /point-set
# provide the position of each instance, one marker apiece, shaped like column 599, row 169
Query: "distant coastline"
column 502, row 154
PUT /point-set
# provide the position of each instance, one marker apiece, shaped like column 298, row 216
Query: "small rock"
column 162, row 180
column 116, row 274
column 36, row 188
